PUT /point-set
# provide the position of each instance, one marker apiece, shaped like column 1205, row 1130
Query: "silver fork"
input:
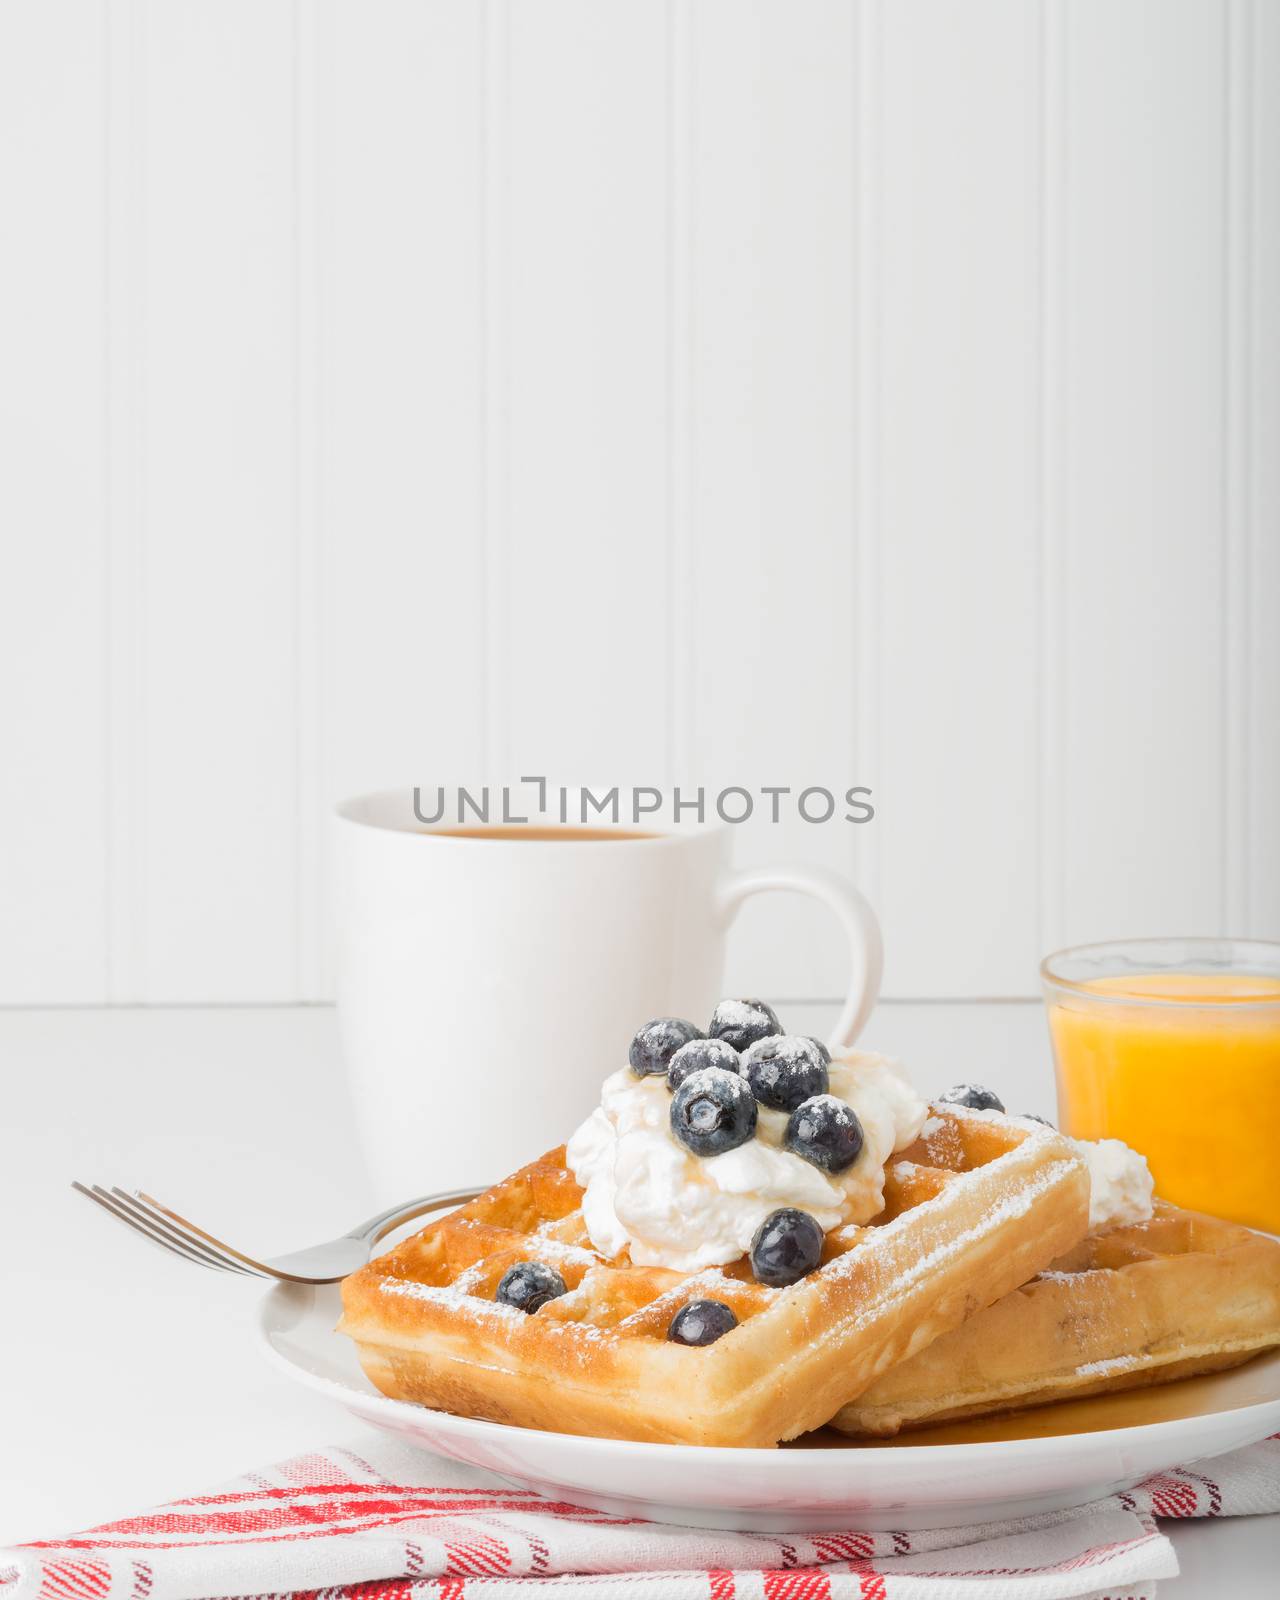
column 318, row 1263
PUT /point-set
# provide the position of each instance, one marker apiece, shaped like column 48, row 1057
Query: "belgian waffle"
column 1179, row 1295
column 996, row 1200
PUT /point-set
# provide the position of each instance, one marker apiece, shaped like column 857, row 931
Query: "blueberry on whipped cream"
column 786, row 1070
column 528, row 1286
column 712, row 1112
column 701, row 1322
column 826, row 1131
column 974, row 1096
column 655, row 1044
column 741, row 1022
column 651, row 1192
column 699, row 1053
column 787, row 1247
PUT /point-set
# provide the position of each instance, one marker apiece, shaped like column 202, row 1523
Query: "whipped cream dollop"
column 1120, row 1183
column 674, row 1209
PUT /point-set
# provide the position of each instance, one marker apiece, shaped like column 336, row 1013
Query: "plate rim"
column 958, row 1451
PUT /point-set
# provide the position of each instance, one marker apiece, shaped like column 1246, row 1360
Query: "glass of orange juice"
column 1173, row 1045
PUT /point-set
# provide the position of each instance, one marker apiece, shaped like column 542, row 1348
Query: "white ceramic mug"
column 486, row 986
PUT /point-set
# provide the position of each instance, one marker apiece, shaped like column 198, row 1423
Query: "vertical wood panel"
column 1261, row 477
column 219, row 503
column 774, row 324
column 1237, row 406
column 1144, row 293
column 584, row 645
column 126, row 670
column 681, row 233
column 311, row 837
column 53, row 797
column 495, row 386
column 869, row 252
column 958, row 497
column 1051, row 464
column 399, row 357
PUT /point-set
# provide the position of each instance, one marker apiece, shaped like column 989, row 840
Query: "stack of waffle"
column 977, row 1288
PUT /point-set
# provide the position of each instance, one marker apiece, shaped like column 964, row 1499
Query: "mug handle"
column 861, row 927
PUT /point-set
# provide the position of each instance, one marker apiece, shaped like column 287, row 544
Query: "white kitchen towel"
column 381, row 1521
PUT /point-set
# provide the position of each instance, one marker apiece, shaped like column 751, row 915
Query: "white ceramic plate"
column 1042, row 1460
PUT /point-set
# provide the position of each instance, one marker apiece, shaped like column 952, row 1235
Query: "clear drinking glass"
column 1173, row 1045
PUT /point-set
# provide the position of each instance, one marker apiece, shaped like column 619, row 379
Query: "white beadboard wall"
column 725, row 391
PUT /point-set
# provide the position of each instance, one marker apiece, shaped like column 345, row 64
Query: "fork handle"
column 377, row 1228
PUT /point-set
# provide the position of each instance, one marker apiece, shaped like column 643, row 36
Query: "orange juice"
column 1185, row 1067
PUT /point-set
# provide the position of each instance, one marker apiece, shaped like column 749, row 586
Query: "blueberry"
column 974, row 1096
column 826, row 1132
column 822, row 1050
column 784, row 1072
column 1032, row 1116
column 699, row 1053
column 741, row 1022
column 787, row 1246
column 713, row 1111
column 701, row 1322
column 655, row 1044
column 529, row 1285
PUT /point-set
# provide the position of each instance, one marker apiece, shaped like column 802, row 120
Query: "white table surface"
column 129, row 1378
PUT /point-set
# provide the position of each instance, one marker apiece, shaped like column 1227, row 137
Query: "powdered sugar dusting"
column 447, row 1294
column 558, row 1250
column 1099, row 1369
column 1013, row 1205
column 737, row 1013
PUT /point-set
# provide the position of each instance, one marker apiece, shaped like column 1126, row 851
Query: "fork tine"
column 198, row 1236
column 140, row 1225
column 195, row 1248
column 100, row 1197
column 144, row 1218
